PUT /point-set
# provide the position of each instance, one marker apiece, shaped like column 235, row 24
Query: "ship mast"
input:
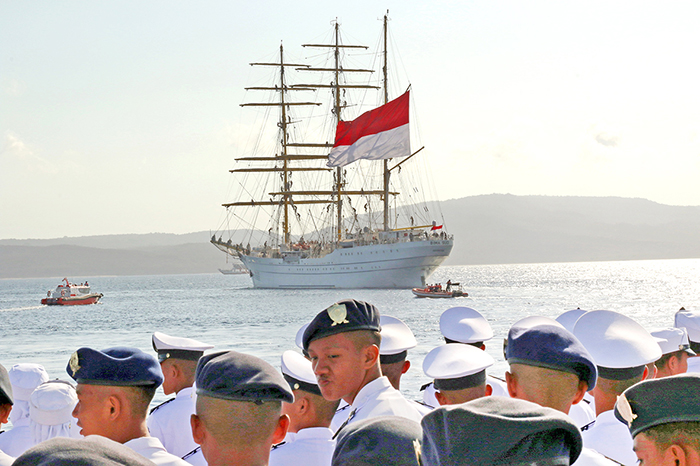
column 336, row 87
column 386, row 171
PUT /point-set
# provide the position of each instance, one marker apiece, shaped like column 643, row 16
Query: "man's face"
column 338, row 366
column 649, row 453
column 92, row 410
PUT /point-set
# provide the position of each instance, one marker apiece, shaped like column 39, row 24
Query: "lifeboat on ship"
column 68, row 293
column 451, row 290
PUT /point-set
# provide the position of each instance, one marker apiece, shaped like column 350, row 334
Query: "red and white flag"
column 381, row 133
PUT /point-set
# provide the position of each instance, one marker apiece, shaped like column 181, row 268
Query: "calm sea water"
column 228, row 312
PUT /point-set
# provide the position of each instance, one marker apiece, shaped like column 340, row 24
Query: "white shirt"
column 170, row 423
column 195, row 457
column 152, row 449
column 308, row 447
column 5, row 459
column 582, row 414
column 694, row 364
column 590, row 457
column 611, row 438
column 17, row 440
column 341, row 414
column 380, row 398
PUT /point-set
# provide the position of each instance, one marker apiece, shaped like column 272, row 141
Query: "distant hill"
column 490, row 229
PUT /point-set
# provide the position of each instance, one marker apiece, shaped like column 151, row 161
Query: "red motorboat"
column 451, row 290
column 68, row 293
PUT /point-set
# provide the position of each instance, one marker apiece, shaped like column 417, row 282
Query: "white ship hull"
column 396, row 265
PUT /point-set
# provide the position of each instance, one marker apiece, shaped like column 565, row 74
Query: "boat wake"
column 28, row 308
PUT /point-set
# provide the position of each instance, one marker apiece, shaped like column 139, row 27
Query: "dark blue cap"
column 119, row 366
column 385, row 440
column 5, row 387
column 230, row 375
column 655, row 402
column 347, row 315
column 497, row 430
column 551, row 347
column 90, row 451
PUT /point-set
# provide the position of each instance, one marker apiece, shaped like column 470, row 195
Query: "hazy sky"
column 124, row 117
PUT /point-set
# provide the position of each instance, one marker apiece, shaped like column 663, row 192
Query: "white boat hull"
column 395, row 265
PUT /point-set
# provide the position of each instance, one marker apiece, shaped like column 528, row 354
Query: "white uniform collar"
column 141, row 442
column 185, row 393
column 370, row 390
column 313, row 432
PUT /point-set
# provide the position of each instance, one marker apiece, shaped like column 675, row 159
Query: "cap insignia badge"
column 338, row 314
column 74, row 363
column 625, row 410
column 296, row 386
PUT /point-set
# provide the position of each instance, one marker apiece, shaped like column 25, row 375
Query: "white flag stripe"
column 385, row 145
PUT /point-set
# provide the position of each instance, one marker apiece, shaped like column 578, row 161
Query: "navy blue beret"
column 551, row 347
column 385, row 440
column 347, row 315
column 230, row 375
column 496, row 430
column 5, row 387
column 119, row 366
column 660, row 401
column 90, row 451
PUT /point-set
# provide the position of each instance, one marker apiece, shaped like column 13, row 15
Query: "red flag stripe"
column 389, row 116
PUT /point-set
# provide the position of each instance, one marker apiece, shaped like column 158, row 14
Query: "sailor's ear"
column 406, row 366
column 281, row 429
column 371, row 355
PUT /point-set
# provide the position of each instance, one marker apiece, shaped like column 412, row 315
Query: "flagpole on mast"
column 339, row 170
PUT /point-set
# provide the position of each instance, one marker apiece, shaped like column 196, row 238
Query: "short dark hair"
column 675, row 433
column 661, row 362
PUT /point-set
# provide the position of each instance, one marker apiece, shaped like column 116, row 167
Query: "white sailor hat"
column 568, row 319
column 298, row 373
column 616, row 342
column 178, row 347
column 25, row 377
column 52, row 403
column 691, row 321
column 397, row 339
column 533, row 321
column 465, row 325
column 299, row 340
column 672, row 339
column 455, row 366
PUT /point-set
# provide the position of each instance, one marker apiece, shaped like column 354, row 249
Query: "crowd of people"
column 587, row 388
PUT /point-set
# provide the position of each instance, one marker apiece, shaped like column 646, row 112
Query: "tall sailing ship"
column 315, row 236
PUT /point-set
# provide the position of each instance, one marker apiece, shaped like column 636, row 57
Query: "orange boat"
column 451, row 290
column 71, row 294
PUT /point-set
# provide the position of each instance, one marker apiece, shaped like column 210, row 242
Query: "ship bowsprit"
column 399, row 265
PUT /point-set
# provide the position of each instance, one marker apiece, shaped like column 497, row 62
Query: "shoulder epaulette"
column 192, row 452
column 588, row 426
column 342, row 409
column 423, row 387
column 423, row 403
column 497, row 378
column 277, row 445
column 160, row 406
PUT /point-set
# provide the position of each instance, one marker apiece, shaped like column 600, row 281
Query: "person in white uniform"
column 239, row 409
column 115, row 387
column 309, row 439
column 342, row 342
column 25, row 377
column 691, row 322
column 621, row 349
column 6, row 402
column 50, row 411
column 663, row 416
column 170, row 421
column 467, row 326
column 550, row 367
column 458, row 373
column 675, row 349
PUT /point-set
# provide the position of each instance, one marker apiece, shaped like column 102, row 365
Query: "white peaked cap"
column 52, row 403
column 615, row 341
column 568, row 319
column 454, row 360
column 691, row 321
column 299, row 340
column 161, row 341
column 298, row 367
column 25, row 377
column 532, row 321
column 465, row 325
column 396, row 336
column 672, row 339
